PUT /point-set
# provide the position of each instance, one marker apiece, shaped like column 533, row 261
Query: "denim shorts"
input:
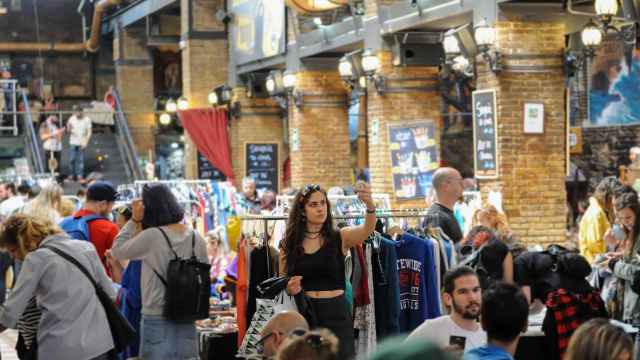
column 165, row 340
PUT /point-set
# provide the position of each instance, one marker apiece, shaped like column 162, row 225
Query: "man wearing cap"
column 100, row 198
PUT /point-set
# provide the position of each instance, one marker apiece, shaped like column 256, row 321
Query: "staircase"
column 102, row 155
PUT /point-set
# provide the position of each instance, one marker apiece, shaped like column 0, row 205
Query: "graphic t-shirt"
column 440, row 330
column 417, row 275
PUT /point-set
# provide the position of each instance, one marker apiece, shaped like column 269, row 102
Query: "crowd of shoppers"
column 487, row 299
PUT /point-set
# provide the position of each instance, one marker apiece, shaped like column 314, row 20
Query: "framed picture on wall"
column 533, row 118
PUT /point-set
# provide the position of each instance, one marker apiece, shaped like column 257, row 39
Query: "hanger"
column 395, row 231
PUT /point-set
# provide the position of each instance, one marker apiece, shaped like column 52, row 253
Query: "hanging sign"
column 414, row 158
column 258, row 29
column 485, row 135
column 206, row 171
column 262, row 165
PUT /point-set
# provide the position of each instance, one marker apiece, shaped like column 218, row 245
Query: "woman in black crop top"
column 312, row 253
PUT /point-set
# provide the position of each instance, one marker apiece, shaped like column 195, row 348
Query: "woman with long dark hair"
column 312, row 253
column 159, row 215
column 625, row 264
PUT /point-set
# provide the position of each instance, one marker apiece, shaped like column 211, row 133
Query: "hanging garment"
column 566, row 311
column 242, row 289
column 260, row 270
column 386, row 288
column 365, row 320
column 361, row 288
column 417, row 274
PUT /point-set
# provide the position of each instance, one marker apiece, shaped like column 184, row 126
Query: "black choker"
column 312, row 232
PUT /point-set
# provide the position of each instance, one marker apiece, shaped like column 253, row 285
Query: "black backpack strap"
column 168, row 242
column 72, row 260
column 193, row 243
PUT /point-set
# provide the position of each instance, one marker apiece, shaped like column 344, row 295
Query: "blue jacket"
column 417, row 275
column 386, row 290
column 487, row 352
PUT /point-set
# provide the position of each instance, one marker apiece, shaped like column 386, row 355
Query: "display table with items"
column 218, row 335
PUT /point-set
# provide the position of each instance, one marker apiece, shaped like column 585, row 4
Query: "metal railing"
column 31, row 138
column 125, row 141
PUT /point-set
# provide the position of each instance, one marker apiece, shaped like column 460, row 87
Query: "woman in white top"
column 74, row 324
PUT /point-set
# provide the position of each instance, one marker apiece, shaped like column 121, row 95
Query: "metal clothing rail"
column 340, row 217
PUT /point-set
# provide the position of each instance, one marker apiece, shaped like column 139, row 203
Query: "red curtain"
column 208, row 130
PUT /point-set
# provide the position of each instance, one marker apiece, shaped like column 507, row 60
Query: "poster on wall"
column 414, row 158
column 262, row 165
column 206, row 171
column 485, row 136
column 615, row 85
column 258, row 29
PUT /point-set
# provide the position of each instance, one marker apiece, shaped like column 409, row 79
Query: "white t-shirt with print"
column 439, row 330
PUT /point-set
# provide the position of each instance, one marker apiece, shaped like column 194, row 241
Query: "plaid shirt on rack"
column 566, row 311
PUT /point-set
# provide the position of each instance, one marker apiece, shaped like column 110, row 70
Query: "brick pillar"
column 531, row 166
column 401, row 105
column 134, row 81
column 260, row 121
column 204, row 60
column 321, row 129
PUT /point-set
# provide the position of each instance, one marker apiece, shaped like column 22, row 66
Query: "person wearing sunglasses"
column 312, row 254
column 276, row 330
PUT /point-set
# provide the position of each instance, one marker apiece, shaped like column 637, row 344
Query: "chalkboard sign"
column 414, row 158
column 485, row 137
column 206, row 171
column 262, row 165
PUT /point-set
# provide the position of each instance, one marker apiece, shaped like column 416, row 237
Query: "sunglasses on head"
column 309, row 189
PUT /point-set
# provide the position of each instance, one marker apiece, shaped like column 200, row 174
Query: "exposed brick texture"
column 324, row 154
column 255, row 127
column 397, row 109
column 204, row 63
column 532, row 167
column 135, row 85
column 604, row 149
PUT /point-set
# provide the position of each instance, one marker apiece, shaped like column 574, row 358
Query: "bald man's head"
column 447, row 182
column 278, row 328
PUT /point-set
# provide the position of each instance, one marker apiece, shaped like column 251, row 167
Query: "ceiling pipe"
column 93, row 44
column 35, row 47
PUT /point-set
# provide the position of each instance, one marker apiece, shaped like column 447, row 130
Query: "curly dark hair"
column 291, row 245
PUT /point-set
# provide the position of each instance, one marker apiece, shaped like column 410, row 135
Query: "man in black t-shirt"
column 447, row 182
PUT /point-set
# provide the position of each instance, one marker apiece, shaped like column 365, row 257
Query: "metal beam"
column 330, row 38
column 403, row 16
column 134, row 13
column 273, row 62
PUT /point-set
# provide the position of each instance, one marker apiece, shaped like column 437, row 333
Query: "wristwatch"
column 371, row 211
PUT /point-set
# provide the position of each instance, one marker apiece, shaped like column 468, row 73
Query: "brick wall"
column 204, row 63
column 134, row 81
column 398, row 109
column 532, row 167
column 604, row 149
column 324, row 153
column 254, row 127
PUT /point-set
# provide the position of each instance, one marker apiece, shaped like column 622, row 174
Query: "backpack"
column 474, row 261
column 187, row 286
column 77, row 227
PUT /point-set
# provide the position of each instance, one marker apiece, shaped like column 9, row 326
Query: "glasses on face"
column 309, row 189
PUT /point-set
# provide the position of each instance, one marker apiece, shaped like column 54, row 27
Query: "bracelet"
column 372, row 211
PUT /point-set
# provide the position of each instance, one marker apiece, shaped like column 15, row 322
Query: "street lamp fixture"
column 165, row 119
column 591, row 37
column 606, row 10
column 370, row 67
column 183, row 103
column 213, row 97
column 171, row 106
column 485, row 37
column 450, row 44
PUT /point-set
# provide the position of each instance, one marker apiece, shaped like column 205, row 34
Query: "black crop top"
column 322, row 270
